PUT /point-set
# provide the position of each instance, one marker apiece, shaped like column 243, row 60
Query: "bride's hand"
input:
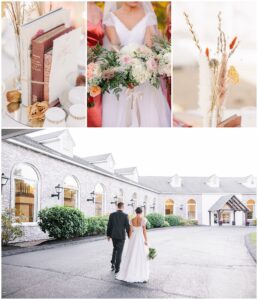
column 146, row 243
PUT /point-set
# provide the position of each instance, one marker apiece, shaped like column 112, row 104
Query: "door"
column 225, row 216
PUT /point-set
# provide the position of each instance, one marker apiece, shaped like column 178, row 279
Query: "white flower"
column 140, row 73
column 129, row 49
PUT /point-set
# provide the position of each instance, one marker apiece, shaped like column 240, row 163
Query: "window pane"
column 70, row 197
column 70, row 182
column 191, row 211
column 98, row 204
column 169, row 208
column 25, row 193
column 25, row 171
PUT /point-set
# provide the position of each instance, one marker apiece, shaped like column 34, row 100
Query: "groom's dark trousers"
column 118, row 225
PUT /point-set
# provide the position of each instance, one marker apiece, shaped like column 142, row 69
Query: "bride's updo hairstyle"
column 138, row 210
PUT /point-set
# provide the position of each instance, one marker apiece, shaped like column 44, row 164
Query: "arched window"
column 25, row 181
column 191, row 209
column 169, row 207
column 71, row 190
column 250, row 205
column 99, row 199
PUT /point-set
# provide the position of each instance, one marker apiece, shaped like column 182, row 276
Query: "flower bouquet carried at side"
column 152, row 253
column 215, row 74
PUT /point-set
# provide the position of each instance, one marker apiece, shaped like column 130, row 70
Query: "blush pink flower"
column 90, row 71
column 151, row 65
column 126, row 59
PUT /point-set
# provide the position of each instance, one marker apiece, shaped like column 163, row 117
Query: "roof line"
column 79, row 165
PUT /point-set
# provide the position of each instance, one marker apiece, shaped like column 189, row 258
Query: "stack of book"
column 37, row 38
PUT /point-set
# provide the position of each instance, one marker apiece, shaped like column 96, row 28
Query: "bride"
column 135, row 265
column 133, row 23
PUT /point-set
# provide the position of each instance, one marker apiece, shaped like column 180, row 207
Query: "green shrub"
column 96, row 225
column 156, row 220
column 166, row 224
column 10, row 231
column 62, row 222
column 173, row 220
column 148, row 225
column 189, row 222
column 255, row 222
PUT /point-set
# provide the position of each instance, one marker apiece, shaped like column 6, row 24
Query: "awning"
column 232, row 201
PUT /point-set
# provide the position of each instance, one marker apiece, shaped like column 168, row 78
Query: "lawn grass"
column 253, row 238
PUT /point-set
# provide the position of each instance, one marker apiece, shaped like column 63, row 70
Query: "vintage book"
column 66, row 50
column 39, row 46
column 27, row 32
column 47, row 68
column 233, row 121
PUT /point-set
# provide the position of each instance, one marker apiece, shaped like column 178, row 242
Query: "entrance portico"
column 225, row 209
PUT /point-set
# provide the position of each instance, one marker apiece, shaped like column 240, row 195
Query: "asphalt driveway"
column 194, row 262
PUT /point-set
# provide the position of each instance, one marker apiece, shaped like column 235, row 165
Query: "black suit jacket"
column 118, row 224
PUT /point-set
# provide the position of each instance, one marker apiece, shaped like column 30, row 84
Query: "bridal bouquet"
column 113, row 70
column 215, row 73
column 152, row 253
column 139, row 64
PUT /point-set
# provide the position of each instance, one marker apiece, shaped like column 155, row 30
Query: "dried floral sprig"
column 194, row 36
column 233, row 50
column 222, row 44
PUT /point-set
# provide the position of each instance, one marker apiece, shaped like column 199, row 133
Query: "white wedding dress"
column 151, row 108
column 135, row 265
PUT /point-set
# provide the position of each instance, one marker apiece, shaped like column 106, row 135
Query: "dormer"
column 213, row 181
column 249, row 181
column 130, row 173
column 60, row 141
column 176, row 181
column 103, row 161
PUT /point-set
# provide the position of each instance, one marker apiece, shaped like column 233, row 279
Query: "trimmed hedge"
column 96, row 225
column 66, row 222
column 156, row 220
column 62, row 222
column 174, row 220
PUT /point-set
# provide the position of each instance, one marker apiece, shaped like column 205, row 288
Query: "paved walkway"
column 194, row 262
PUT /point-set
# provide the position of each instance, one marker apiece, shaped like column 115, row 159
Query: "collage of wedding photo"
column 129, row 146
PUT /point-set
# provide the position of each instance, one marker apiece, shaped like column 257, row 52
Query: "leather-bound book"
column 39, row 46
column 233, row 121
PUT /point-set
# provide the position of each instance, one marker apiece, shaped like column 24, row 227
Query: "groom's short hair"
column 120, row 205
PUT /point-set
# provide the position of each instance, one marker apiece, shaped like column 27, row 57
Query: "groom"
column 118, row 223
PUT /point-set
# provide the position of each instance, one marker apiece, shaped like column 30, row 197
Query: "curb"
column 55, row 244
column 250, row 247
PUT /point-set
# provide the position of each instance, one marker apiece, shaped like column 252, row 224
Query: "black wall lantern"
column 132, row 203
column 92, row 197
column 144, row 204
column 181, row 207
column 115, row 200
column 58, row 191
column 153, row 206
column 4, row 180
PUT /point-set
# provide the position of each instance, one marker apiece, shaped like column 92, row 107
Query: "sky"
column 165, row 152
